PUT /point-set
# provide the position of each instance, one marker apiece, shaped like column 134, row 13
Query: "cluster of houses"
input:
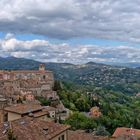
column 22, row 113
column 26, row 82
column 29, row 120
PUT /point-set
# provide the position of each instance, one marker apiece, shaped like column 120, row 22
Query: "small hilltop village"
column 23, row 117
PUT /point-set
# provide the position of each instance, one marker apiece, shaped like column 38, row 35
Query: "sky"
column 72, row 31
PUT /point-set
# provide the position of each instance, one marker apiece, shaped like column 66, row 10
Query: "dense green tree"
column 57, row 85
column 43, row 100
column 101, row 131
column 80, row 121
column 118, row 109
column 10, row 135
column 82, row 104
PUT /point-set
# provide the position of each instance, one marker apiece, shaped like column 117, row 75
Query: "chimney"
column 45, row 130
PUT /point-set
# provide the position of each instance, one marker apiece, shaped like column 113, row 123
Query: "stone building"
column 3, row 104
column 95, row 112
column 39, row 82
column 34, row 110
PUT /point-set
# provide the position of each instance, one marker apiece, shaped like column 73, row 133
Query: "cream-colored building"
column 32, row 110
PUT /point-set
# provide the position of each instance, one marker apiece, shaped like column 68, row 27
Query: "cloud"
column 43, row 50
column 66, row 19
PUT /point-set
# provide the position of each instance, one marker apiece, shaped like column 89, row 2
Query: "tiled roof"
column 40, row 113
column 126, row 131
column 28, row 129
column 77, row 135
column 23, row 108
column 49, row 108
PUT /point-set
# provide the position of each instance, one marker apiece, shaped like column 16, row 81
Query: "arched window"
column 44, row 77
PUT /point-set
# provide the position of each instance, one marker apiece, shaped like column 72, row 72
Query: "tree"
column 82, row 104
column 10, row 135
column 80, row 121
column 43, row 100
column 57, row 86
column 101, row 131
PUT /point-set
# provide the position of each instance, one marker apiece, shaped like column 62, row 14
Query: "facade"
column 36, row 82
column 41, row 74
column 3, row 104
column 29, row 97
column 95, row 112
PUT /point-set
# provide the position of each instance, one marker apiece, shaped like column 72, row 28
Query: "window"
column 53, row 116
column 61, row 137
column 44, row 77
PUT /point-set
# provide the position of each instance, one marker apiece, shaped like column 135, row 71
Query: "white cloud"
column 11, row 44
column 64, row 19
column 43, row 50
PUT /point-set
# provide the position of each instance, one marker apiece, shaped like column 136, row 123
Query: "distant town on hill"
column 116, row 78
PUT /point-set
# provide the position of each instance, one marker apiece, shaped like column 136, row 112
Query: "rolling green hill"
column 126, row 80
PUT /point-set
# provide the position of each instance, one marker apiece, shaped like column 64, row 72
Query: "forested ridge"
column 118, row 109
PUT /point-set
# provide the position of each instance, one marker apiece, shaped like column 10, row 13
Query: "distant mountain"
column 130, row 65
column 13, row 63
column 117, row 78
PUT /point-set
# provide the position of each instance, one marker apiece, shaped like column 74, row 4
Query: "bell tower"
column 42, row 67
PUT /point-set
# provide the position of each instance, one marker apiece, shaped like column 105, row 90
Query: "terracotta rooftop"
column 126, row 131
column 28, row 129
column 24, row 108
column 40, row 113
column 49, row 108
column 77, row 135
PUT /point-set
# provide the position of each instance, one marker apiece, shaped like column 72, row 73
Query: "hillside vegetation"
column 117, row 109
